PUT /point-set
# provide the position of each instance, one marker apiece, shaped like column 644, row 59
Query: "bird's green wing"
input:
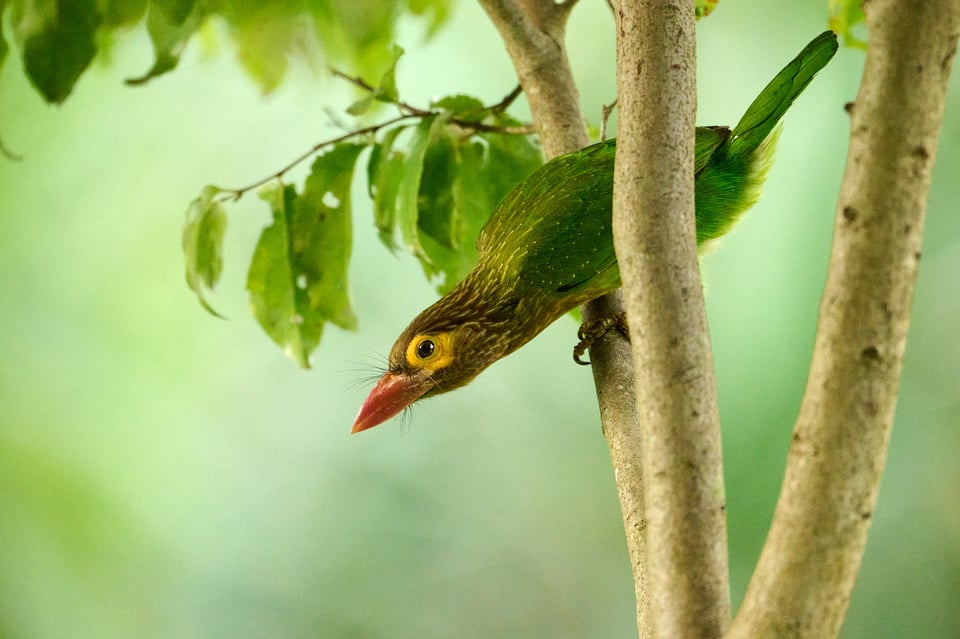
column 536, row 236
column 537, row 233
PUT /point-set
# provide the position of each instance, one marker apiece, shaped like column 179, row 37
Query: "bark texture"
column 807, row 570
column 533, row 32
column 654, row 235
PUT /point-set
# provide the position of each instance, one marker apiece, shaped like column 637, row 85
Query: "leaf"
column 323, row 233
column 203, row 244
column 464, row 107
column 4, row 47
column 169, row 39
column 485, row 173
column 441, row 165
column 384, row 176
column 844, row 16
column 298, row 275
column 266, row 34
column 386, row 91
column 406, row 212
column 121, row 13
column 440, row 10
column 175, row 11
column 704, row 7
column 57, row 42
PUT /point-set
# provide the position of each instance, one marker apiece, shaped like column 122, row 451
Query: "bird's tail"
column 766, row 110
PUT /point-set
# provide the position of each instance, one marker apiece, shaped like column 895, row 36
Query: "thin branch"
column 533, row 32
column 471, row 125
column 605, row 111
column 236, row 194
column 655, row 240
column 806, row 572
column 408, row 112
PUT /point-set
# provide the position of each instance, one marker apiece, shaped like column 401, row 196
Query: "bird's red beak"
column 393, row 393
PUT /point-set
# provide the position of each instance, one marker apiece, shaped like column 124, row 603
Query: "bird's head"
column 445, row 347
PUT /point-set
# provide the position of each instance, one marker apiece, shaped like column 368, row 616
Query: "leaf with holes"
column 298, row 276
column 203, row 244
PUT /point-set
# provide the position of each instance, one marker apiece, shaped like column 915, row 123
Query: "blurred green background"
column 167, row 474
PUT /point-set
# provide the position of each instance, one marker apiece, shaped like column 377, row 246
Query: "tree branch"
column 655, row 240
column 806, row 572
column 533, row 31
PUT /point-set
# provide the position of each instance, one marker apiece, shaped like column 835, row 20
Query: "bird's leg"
column 590, row 332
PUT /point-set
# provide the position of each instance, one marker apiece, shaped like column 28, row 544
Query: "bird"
column 547, row 247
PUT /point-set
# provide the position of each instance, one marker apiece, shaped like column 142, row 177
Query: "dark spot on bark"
column 919, row 69
column 870, row 407
column 848, row 107
column 906, row 229
column 945, row 63
column 849, row 214
column 916, row 256
column 675, row 67
column 920, row 152
column 866, row 515
column 870, row 353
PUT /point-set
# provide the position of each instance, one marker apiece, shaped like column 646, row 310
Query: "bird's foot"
column 590, row 332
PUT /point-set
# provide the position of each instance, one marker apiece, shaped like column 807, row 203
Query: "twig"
column 236, row 194
column 408, row 112
column 605, row 111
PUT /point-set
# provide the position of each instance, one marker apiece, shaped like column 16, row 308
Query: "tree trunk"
column 807, row 570
column 654, row 233
column 533, row 31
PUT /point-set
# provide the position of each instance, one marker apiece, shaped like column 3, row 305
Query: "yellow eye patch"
column 430, row 351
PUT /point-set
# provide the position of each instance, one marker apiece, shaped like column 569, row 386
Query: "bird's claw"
column 590, row 332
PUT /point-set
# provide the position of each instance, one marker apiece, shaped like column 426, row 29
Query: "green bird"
column 548, row 247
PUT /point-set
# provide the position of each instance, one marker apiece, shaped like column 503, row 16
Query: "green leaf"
column 175, row 11
column 386, row 91
column 4, row 47
column 439, row 10
column 203, row 243
column 464, row 107
column 406, row 213
column 121, row 13
column 57, row 42
column 323, row 233
column 510, row 159
column 452, row 250
column 169, row 39
column 266, row 34
column 384, row 176
column 298, row 275
column 441, row 165
column 704, row 7
column 845, row 15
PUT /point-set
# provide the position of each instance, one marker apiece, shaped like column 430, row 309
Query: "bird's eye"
column 426, row 348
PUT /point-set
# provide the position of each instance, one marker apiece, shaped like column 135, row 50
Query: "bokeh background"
column 167, row 474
